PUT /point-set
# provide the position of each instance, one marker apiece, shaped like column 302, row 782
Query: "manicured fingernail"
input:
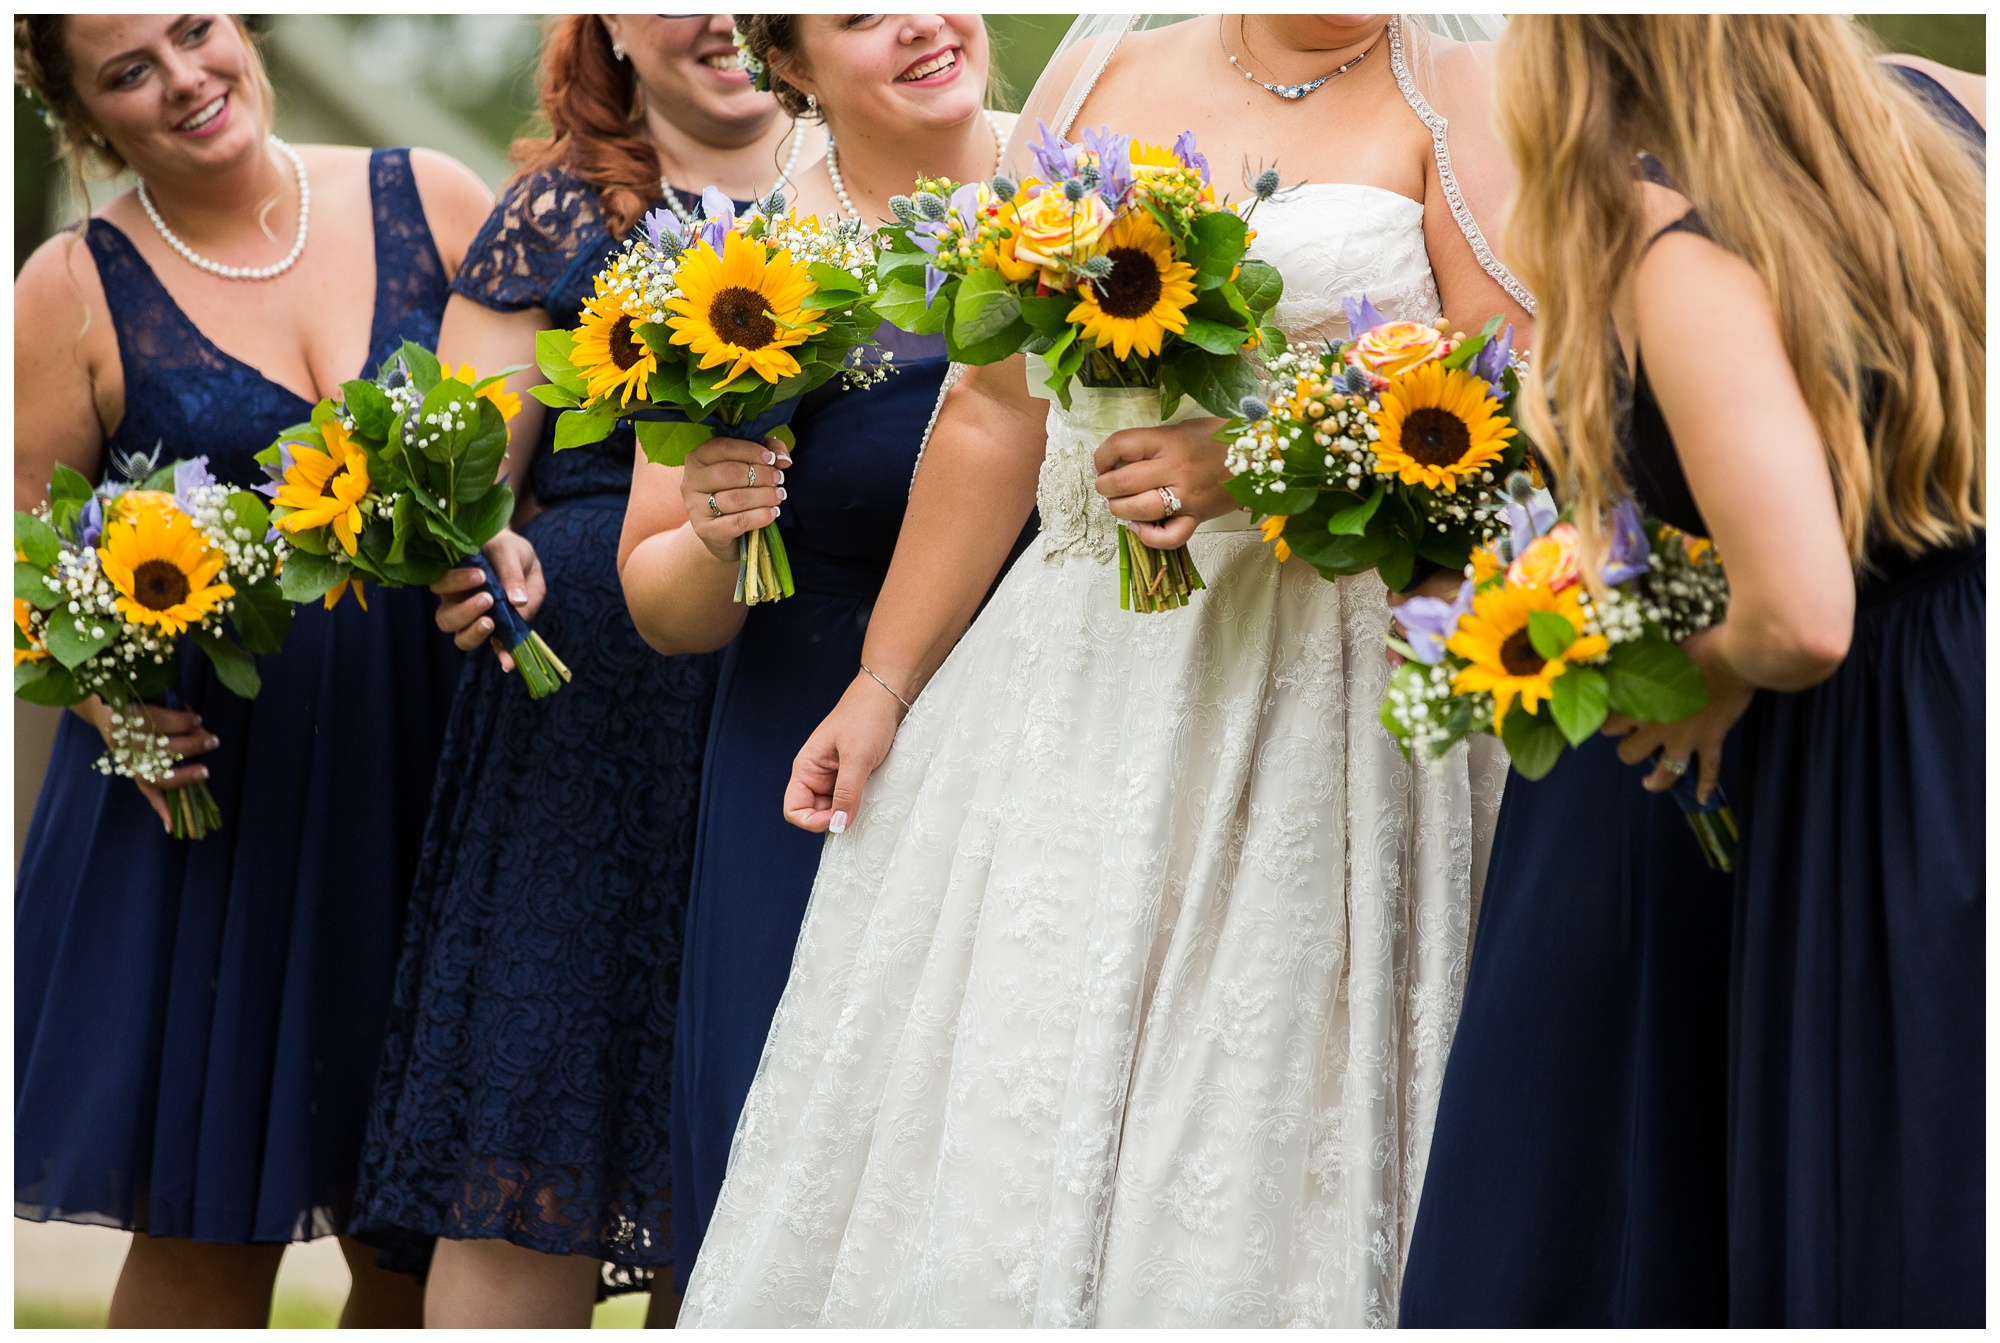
column 770, row 458
column 838, row 823
column 210, row 743
column 784, row 459
column 485, row 627
column 774, row 513
column 783, row 494
column 518, row 596
column 781, row 477
column 201, row 772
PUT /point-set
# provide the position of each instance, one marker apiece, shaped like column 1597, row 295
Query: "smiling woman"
column 198, row 1023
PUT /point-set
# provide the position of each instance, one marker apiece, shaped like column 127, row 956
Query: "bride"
column 1125, row 996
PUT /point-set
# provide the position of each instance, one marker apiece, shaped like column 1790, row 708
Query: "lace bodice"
column 1330, row 241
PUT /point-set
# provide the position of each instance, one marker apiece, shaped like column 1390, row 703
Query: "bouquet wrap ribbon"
column 752, row 430
column 508, row 624
column 1714, row 821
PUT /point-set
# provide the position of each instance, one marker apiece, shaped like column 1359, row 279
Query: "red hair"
column 591, row 101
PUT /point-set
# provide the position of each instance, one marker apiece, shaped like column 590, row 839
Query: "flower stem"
column 765, row 571
column 192, row 812
column 1151, row 581
column 542, row 672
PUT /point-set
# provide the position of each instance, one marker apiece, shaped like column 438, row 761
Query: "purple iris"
column 190, row 476
column 1055, row 159
column 90, row 521
column 277, row 473
column 718, row 216
column 926, row 235
column 933, row 281
column 965, row 203
column 1629, row 553
column 1361, row 315
column 1185, row 151
column 1114, row 162
column 666, row 232
column 1491, row 361
column 1529, row 520
column 1428, row 621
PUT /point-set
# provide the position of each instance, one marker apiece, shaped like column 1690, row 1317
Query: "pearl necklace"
column 840, row 187
column 687, row 216
column 195, row 258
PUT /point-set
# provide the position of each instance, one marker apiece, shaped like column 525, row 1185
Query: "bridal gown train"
column 1127, row 997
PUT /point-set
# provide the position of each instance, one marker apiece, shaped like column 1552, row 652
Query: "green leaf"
column 399, row 527
column 307, row 578
column 1293, row 499
column 1260, row 284
column 1271, row 342
column 233, row 667
column 1219, row 383
column 68, row 486
column 834, row 280
column 575, row 428
column 423, row 365
column 1048, row 314
column 1463, row 355
column 262, row 616
column 161, row 480
column 902, row 257
column 31, row 586
column 1551, row 634
column 1654, row 681
column 552, row 357
column 46, row 682
column 246, row 511
column 449, row 397
column 1579, row 699
column 668, row 442
column 498, row 375
column 993, row 349
column 1533, row 742
column 902, row 305
column 483, row 517
column 1216, row 244
column 1353, row 520
column 555, row 394
column 986, row 306
column 484, row 454
column 74, row 640
column 36, row 539
column 370, row 407
column 1213, row 336
column 1398, row 562
column 669, row 384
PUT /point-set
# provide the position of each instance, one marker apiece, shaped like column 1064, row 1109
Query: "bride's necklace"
column 687, row 216
column 195, row 258
column 1293, row 92
column 840, row 187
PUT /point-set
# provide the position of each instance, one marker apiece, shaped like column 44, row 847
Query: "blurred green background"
column 464, row 84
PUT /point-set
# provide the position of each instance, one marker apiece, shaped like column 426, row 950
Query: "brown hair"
column 769, row 34
column 593, row 105
column 1861, row 212
column 42, row 67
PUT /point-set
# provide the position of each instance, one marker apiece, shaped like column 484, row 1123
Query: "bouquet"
column 1526, row 653
column 721, row 328
column 397, row 482
column 1382, row 448
column 1115, row 266
column 109, row 580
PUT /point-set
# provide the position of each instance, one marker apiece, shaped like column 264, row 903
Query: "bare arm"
column 1486, row 178
column 1968, row 89
column 681, row 591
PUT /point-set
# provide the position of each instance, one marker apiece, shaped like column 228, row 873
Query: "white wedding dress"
column 1126, row 999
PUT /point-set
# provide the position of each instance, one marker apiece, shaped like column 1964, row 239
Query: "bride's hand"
column 1186, row 458
column 744, row 480
column 831, row 768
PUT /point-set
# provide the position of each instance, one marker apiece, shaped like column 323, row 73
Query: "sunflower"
column 607, row 349
column 1493, row 637
column 1438, row 425
column 742, row 306
column 325, row 487
column 1273, row 528
column 339, row 590
column 504, row 401
column 1145, row 296
column 34, row 652
column 164, row 570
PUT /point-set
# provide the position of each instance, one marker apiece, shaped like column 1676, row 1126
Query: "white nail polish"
column 838, row 823
column 770, row 459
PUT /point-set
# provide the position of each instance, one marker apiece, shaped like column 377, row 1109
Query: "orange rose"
column 1396, row 347
column 1550, row 561
column 1003, row 254
column 1055, row 230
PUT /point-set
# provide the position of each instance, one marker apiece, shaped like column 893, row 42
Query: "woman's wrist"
column 889, row 686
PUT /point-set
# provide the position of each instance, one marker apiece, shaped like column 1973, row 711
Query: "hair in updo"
column 765, row 34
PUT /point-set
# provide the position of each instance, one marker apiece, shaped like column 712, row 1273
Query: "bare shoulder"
column 58, row 284
column 455, row 201
column 1659, row 206
column 1970, row 90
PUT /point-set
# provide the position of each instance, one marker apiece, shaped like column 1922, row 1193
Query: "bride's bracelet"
column 907, row 706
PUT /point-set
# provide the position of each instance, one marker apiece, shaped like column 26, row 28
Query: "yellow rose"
column 127, row 505
column 1055, row 230
column 1550, row 561
column 1396, row 347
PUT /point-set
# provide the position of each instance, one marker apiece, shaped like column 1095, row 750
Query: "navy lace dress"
column 197, row 1024
column 1857, row 1098
column 523, row 1092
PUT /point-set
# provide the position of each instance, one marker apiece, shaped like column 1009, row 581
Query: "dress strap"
column 410, row 284
column 1687, row 223
column 1440, row 147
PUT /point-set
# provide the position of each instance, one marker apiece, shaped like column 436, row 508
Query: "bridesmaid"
column 1846, row 495
column 786, row 663
column 197, row 1024
column 519, row 1114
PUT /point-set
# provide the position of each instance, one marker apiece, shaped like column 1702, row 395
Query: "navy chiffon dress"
column 524, row 1082
column 1576, row 1172
column 1857, row 1105
column 197, row 1023
column 781, row 676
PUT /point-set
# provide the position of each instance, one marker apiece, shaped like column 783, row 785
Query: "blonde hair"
column 1863, row 214
column 42, row 67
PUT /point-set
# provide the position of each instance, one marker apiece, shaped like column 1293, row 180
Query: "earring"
column 97, row 139
column 812, row 105
column 618, row 50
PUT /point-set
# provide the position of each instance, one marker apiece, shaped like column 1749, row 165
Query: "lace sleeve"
column 542, row 222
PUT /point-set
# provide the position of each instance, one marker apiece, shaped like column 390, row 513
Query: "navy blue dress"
column 197, row 1023
column 523, row 1091
column 1576, row 1170
column 1857, row 1108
